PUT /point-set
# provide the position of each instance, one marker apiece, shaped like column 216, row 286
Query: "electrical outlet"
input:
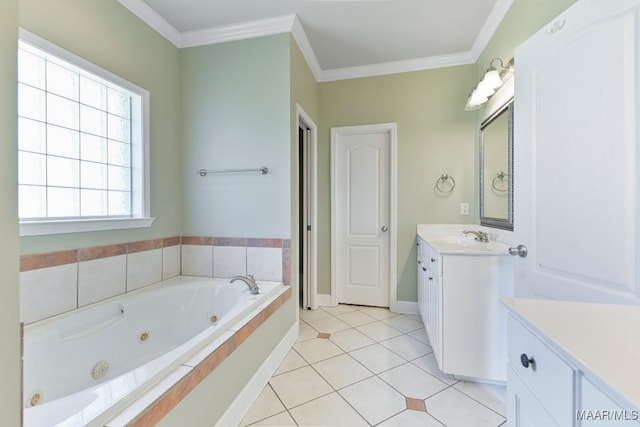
column 464, row 208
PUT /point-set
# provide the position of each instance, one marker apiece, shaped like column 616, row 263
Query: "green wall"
column 304, row 92
column 435, row 137
column 10, row 397
column 108, row 35
column 235, row 114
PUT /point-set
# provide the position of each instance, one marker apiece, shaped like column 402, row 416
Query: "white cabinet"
column 458, row 300
column 557, row 377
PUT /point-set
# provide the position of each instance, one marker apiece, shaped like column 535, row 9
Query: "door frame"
column 391, row 129
column 304, row 121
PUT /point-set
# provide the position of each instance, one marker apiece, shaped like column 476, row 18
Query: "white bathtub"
column 83, row 367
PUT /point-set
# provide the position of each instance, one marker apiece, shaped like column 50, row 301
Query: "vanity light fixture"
column 490, row 82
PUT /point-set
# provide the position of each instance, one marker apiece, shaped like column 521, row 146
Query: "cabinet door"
column 523, row 409
column 435, row 316
column 577, row 109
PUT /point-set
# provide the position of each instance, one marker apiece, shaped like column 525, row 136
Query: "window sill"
column 37, row 228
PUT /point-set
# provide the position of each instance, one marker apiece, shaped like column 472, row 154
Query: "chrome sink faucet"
column 249, row 281
column 481, row 236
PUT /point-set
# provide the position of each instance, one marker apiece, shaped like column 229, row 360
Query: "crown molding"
column 418, row 64
column 241, row 31
column 298, row 34
column 291, row 23
column 497, row 14
column 154, row 20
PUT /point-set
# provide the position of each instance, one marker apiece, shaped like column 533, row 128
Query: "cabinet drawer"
column 548, row 377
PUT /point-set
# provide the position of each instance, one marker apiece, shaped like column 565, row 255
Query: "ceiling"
column 339, row 38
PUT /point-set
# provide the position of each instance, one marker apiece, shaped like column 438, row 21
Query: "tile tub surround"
column 365, row 366
column 265, row 259
column 57, row 282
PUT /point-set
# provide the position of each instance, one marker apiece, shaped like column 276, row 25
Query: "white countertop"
column 450, row 239
column 602, row 340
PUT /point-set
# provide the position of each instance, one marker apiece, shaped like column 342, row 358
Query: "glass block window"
column 80, row 148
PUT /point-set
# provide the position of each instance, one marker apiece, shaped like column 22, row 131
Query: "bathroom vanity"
column 460, row 283
column 572, row 364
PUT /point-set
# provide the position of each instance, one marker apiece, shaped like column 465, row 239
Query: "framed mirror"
column 496, row 168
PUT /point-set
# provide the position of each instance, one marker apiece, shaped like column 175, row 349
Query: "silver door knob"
column 520, row 250
column 384, row 228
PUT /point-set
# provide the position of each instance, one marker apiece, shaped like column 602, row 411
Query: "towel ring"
column 444, row 178
column 500, row 176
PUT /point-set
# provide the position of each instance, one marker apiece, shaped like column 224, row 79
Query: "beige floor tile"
column 403, row 323
column 306, row 332
column 290, row 362
column 329, row 410
column 493, row 396
column 300, row 386
column 266, row 405
column 351, row 340
column 311, row 315
column 374, row 399
column 378, row 312
column 379, row 331
column 455, row 409
column 428, row 363
column 407, row 347
column 377, row 358
column 410, row 418
column 317, row 349
column 329, row 325
column 341, row 371
column 339, row 309
column 420, row 335
column 356, row 318
column 281, row 420
column 412, row 381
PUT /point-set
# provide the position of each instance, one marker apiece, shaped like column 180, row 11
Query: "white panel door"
column 576, row 155
column 361, row 214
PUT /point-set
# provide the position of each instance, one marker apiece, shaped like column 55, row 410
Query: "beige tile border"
column 51, row 259
column 165, row 403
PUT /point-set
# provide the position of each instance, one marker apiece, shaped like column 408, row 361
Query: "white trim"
column 418, row 64
column 291, row 23
column 241, row 31
column 497, row 14
column 245, row 399
column 325, row 300
column 304, row 118
column 392, row 128
column 406, row 307
column 152, row 18
column 298, row 34
column 36, row 228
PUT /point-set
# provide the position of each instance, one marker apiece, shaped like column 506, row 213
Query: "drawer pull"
column 526, row 360
column 433, row 260
column 424, row 269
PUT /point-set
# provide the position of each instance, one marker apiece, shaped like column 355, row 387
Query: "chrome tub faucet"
column 249, row 281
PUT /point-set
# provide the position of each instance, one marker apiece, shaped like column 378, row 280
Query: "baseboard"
column 324, row 300
column 405, row 307
column 243, row 402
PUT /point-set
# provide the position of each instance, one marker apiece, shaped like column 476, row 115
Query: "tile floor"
column 365, row 366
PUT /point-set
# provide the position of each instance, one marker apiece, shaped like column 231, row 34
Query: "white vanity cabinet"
column 458, row 298
column 570, row 364
column 430, row 295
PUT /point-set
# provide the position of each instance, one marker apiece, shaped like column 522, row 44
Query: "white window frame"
column 140, row 187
